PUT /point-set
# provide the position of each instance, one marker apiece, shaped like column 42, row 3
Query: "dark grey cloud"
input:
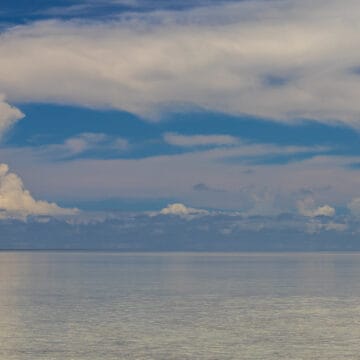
column 276, row 80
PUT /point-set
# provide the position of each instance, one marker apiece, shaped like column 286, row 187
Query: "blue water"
column 92, row 305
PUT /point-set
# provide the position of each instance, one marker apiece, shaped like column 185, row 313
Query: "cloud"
column 83, row 143
column 225, row 232
column 354, row 206
column 307, row 207
column 201, row 187
column 173, row 176
column 315, row 227
column 16, row 202
column 205, row 187
column 336, row 226
column 264, row 202
column 9, row 115
column 88, row 7
column 89, row 141
column 182, row 210
column 272, row 59
column 199, row 140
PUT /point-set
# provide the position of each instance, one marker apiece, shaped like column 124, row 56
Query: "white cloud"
column 9, row 115
column 17, row 202
column 182, row 210
column 199, row 140
column 279, row 60
column 84, row 142
column 308, row 208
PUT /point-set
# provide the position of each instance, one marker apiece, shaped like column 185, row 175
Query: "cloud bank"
column 213, row 232
column 280, row 60
column 17, row 203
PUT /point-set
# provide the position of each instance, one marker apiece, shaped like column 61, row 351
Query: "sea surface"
column 97, row 305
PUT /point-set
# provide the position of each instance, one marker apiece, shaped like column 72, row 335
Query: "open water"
column 97, row 305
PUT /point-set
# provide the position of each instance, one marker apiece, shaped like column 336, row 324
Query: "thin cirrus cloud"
column 82, row 144
column 90, row 141
column 199, row 140
column 277, row 60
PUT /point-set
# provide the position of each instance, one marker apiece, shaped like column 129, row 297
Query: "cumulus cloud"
column 182, row 210
column 279, row 60
column 307, row 207
column 199, row 140
column 9, row 115
column 17, row 202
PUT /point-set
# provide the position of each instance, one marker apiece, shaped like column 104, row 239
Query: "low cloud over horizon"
column 184, row 229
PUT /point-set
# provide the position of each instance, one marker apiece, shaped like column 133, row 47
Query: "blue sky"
column 248, row 107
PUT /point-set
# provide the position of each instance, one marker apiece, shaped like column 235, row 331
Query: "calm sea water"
column 62, row 305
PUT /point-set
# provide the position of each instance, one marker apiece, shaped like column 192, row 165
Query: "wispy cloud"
column 199, row 140
column 89, row 7
column 82, row 144
column 214, row 57
column 354, row 206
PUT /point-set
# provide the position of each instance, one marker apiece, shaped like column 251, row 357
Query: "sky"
column 240, row 109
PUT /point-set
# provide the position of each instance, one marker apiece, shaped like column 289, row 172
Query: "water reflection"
column 179, row 306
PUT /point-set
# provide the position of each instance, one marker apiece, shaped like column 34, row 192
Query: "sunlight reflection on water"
column 88, row 305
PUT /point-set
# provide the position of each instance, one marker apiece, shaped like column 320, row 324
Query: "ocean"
column 164, row 306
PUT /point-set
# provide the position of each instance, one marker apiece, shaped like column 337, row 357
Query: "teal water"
column 88, row 305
